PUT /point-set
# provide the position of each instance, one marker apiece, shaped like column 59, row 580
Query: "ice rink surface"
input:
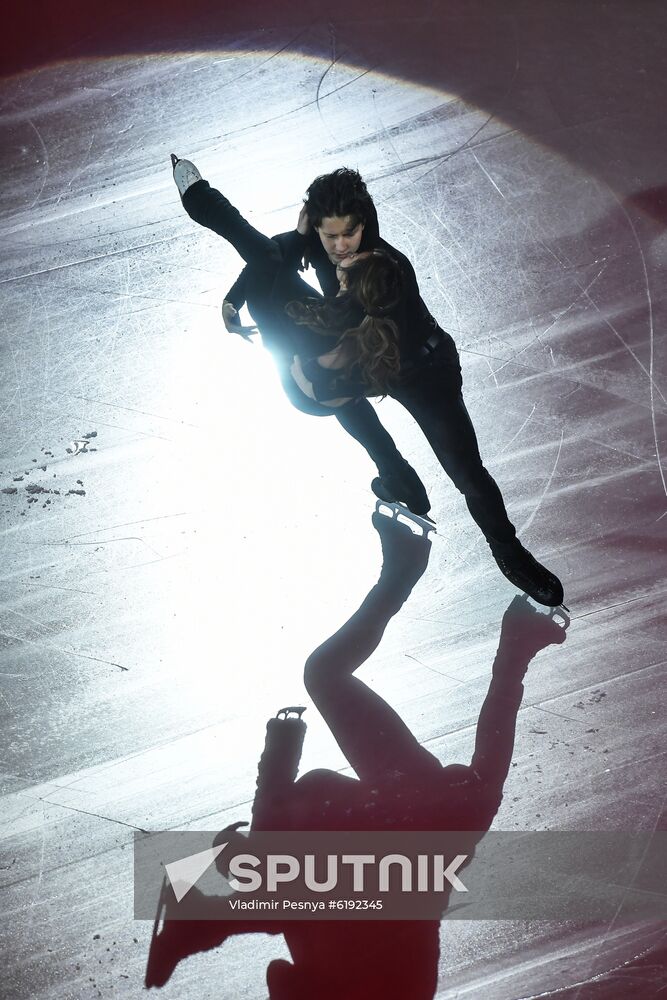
column 176, row 539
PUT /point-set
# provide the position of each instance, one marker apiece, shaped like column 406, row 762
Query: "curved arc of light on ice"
column 360, row 70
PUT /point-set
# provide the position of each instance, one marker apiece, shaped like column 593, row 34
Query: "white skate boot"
column 185, row 174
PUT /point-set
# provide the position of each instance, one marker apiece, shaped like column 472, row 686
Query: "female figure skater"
column 378, row 338
column 271, row 281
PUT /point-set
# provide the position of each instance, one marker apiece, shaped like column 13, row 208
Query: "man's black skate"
column 402, row 486
column 524, row 571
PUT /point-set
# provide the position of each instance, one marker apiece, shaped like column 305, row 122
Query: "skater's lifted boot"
column 278, row 766
column 211, row 209
column 276, row 773
column 523, row 570
column 185, row 174
column 402, row 485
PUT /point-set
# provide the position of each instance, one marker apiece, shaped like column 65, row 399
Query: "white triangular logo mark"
column 185, row 873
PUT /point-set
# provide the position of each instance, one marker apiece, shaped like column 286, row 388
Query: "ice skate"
column 526, row 573
column 185, row 174
column 279, row 764
column 398, row 511
column 402, row 486
column 284, row 713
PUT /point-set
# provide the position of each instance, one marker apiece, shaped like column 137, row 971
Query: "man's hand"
column 303, row 225
column 230, row 317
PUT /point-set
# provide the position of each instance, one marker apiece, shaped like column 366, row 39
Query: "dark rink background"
column 176, row 539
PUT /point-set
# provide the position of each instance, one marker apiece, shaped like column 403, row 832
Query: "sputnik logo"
column 186, row 872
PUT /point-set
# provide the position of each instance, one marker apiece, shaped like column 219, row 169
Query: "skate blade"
column 399, row 512
column 563, row 613
column 284, row 713
column 556, row 611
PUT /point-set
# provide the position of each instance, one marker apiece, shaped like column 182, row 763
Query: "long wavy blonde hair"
column 374, row 288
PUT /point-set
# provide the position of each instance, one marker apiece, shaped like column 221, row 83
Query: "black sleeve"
column 415, row 322
column 325, row 271
column 409, row 278
column 292, row 247
column 237, row 294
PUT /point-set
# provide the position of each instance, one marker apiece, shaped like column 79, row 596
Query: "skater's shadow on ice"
column 400, row 786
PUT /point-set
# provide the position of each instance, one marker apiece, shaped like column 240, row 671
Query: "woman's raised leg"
column 212, row 210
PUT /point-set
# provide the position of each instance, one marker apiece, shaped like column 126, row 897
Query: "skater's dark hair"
column 340, row 193
column 368, row 343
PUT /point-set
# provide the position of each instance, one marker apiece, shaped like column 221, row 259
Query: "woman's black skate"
column 402, row 485
column 524, row 571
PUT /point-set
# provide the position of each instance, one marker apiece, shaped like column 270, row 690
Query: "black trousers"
column 430, row 390
column 432, row 394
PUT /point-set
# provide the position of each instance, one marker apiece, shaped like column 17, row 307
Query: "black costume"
column 268, row 284
column 429, row 383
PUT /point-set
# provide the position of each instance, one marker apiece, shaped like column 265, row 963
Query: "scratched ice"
column 203, row 537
